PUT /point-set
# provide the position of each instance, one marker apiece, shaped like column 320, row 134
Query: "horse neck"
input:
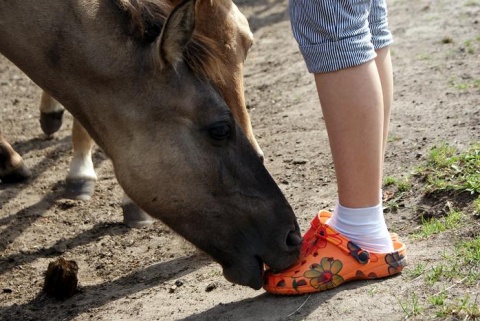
column 70, row 49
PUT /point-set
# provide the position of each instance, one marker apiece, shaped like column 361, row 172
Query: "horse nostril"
column 293, row 239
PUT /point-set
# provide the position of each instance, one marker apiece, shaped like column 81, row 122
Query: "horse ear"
column 176, row 32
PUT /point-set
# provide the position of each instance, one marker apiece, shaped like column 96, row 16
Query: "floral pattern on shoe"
column 325, row 275
column 395, row 261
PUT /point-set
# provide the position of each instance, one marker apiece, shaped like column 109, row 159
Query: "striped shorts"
column 338, row 34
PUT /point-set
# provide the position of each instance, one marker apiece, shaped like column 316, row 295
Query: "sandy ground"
column 152, row 274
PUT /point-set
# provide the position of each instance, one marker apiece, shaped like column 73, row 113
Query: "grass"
column 451, row 290
column 439, row 298
column 469, row 47
column 465, row 308
column 418, row 270
column 449, row 170
column 402, row 186
column 471, row 84
column 476, row 207
column 460, row 268
column 411, row 307
column 437, row 225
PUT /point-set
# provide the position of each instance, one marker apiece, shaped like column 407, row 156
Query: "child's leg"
column 352, row 105
column 381, row 39
column 384, row 67
column 338, row 41
column 354, row 118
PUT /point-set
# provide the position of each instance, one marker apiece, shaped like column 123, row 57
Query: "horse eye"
column 220, row 131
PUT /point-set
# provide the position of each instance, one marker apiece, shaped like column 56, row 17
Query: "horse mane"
column 146, row 20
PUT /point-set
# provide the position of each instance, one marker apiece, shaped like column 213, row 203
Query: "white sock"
column 363, row 226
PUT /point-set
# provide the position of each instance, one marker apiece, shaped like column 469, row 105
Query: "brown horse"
column 149, row 89
column 234, row 45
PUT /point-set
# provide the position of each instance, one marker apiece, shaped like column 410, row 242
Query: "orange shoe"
column 329, row 259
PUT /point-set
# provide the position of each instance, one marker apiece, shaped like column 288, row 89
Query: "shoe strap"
column 348, row 247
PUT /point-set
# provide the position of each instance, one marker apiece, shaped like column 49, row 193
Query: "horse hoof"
column 80, row 189
column 135, row 217
column 51, row 122
column 19, row 174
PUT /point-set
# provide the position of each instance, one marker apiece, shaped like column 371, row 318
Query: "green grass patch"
column 476, row 207
column 466, row 85
column 469, row 251
column 439, row 298
column 411, row 306
column 392, row 139
column 417, row 270
column 476, row 84
column 469, row 47
column 453, row 274
column 437, row 225
column 464, row 308
column 451, row 280
column 403, row 185
column 449, row 170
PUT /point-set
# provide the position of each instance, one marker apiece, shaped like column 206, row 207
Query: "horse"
column 152, row 91
column 81, row 177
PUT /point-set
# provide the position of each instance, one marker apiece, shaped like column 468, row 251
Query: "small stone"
column 211, row 287
column 179, row 283
column 299, row 161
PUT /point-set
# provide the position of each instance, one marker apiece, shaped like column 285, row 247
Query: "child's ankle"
column 363, row 226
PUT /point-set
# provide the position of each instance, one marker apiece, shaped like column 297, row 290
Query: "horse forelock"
column 204, row 57
column 146, row 20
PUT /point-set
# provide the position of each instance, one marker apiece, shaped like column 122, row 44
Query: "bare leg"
column 384, row 67
column 357, row 119
column 352, row 105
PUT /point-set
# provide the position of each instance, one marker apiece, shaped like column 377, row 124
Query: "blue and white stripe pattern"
column 338, row 34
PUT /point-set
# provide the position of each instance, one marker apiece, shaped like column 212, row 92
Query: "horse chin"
column 247, row 272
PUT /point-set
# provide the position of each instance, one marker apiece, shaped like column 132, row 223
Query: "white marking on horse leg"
column 134, row 216
column 48, row 104
column 81, row 176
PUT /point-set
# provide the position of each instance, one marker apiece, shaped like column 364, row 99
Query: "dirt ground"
column 152, row 274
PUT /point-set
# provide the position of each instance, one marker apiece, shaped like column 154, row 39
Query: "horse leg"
column 12, row 167
column 81, row 177
column 134, row 216
column 51, row 114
